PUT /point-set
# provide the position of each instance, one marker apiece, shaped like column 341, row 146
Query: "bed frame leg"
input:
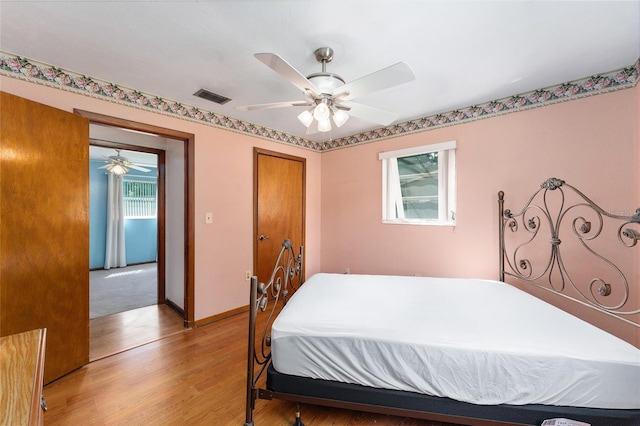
column 298, row 421
column 250, row 401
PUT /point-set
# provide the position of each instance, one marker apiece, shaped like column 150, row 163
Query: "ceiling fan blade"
column 368, row 113
column 283, row 68
column 104, row 167
column 139, row 168
column 393, row 75
column 273, row 105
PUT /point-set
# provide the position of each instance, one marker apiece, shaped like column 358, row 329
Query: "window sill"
column 416, row 222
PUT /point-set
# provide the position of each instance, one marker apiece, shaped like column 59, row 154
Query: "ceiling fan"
column 328, row 98
column 119, row 165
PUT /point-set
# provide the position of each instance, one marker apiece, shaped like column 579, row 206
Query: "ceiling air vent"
column 213, row 97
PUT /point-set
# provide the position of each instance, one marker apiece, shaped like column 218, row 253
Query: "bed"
column 464, row 351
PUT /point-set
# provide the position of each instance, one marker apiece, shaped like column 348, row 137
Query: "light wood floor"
column 193, row 377
column 116, row 333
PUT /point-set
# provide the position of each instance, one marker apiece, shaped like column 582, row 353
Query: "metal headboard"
column 609, row 289
column 285, row 279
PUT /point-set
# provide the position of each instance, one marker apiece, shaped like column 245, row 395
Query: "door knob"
column 263, row 237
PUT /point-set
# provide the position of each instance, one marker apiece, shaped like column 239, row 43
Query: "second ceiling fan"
column 328, row 97
column 119, row 165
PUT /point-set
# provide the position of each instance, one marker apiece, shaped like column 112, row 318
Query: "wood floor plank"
column 125, row 330
column 196, row 377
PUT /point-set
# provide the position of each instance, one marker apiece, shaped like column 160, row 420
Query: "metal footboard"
column 285, row 279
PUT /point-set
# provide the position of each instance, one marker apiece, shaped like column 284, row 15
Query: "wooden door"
column 44, row 229
column 279, row 207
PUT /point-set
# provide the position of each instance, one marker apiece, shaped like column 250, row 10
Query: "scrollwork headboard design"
column 562, row 214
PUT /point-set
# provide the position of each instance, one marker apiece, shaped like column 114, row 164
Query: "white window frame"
column 126, row 206
column 392, row 195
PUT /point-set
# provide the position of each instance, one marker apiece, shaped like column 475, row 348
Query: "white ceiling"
column 463, row 53
column 100, row 133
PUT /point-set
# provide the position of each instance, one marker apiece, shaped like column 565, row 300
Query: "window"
column 139, row 199
column 418, row 185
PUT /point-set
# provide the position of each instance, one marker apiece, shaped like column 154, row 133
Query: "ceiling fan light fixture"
column 306, row 118
column 324, row 125
column 117, row 169
column 321, row 111
column 340, row 117
column 326, row 93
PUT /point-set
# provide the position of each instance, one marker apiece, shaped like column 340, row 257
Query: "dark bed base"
column 408, row 404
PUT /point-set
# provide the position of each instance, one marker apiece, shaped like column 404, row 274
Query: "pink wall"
column 637, row 180
column 590, row 143
column 637, row 119
column 224, row 186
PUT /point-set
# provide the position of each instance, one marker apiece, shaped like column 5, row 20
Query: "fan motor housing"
column 325, row 81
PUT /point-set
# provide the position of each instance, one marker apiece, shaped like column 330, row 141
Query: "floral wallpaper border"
column 29, row 70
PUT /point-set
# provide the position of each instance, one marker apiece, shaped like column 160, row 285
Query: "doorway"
column 125, row 221
column 175, row 222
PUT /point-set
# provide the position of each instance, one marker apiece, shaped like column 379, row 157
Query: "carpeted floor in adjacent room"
column 122, row 289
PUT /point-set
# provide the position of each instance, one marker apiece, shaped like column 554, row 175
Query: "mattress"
column 477, row 341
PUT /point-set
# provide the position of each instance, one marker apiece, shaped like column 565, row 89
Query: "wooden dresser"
column 22, row 373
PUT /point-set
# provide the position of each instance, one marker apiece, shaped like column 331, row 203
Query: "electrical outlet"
column 247, row 275
column 347, row 270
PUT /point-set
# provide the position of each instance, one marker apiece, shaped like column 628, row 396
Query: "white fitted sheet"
column 478, row 341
